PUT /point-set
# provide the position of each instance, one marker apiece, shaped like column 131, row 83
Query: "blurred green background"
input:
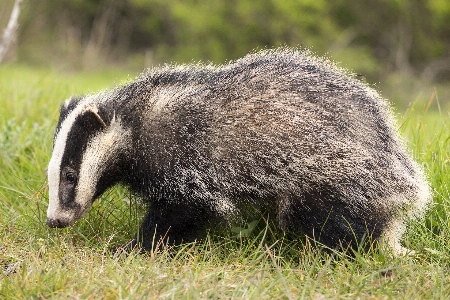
column 402, row 47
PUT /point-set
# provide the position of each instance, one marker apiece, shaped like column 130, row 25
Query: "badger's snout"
column 56, row 223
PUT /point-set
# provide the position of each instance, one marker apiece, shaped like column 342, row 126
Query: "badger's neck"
column 108, row 156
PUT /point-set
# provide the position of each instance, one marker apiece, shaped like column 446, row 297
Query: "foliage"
column 374, row 38
column 75, row 262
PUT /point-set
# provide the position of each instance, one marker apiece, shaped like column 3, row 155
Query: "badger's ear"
column 91, row 120
column 97, row 117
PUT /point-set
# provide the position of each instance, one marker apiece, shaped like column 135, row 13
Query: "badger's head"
column 88, row 150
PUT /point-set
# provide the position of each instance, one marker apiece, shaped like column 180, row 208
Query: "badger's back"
column 272, row 122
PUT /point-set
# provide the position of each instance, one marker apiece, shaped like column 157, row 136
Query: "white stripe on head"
column 98, row 155
column 54, row 168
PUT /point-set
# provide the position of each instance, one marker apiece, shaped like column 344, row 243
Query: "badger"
column 279, row 131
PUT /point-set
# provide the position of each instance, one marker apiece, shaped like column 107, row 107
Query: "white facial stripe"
column 54, row 168
column 96, row 158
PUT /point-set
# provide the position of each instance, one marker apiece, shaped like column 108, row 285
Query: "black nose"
column 55, row 223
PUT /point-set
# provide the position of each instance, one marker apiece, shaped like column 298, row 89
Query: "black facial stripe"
column 83, row 129
column 64, row 112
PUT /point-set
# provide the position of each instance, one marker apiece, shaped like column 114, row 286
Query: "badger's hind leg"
column 173, row 223
column 329, row 222
column 392, row 236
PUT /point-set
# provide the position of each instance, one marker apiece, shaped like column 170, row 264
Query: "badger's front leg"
column 173, row 223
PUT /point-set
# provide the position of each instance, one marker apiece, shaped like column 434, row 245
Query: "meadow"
column 38, row 262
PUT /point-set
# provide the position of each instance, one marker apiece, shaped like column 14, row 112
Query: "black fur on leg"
column 330, row 222
column 173, row 223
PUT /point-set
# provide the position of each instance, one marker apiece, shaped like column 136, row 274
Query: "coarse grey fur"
column 278, row 130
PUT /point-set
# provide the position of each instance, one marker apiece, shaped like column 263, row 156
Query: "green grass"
column 75, row 262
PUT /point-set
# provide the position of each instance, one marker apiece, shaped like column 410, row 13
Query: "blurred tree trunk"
column 101, row 34
column 10, row 30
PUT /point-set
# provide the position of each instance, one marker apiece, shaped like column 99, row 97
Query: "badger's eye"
column 70, row 177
